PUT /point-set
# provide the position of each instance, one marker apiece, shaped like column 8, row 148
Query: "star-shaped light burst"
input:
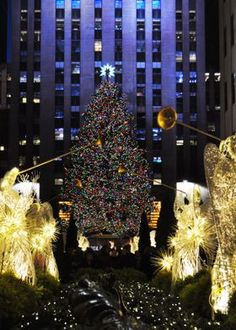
column 107, row 71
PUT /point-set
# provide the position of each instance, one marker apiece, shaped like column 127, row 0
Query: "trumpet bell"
column 166, row 118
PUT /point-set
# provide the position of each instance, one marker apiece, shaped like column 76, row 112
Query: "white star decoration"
column 107, row 70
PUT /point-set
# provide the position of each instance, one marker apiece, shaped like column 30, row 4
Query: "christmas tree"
column 107, row 181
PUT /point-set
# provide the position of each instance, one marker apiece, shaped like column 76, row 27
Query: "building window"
column 156, row 4
column 75, row 4
column 59, row 134
column 192, row 56
column 179, row 56
column 58, row 181
column 118, row 3
column 98, row 46
column 192, row 76
column 60, row 3
column 179, row 77
column 98, row 3
column 140, row 4
column 23, row 77
column 74, row 134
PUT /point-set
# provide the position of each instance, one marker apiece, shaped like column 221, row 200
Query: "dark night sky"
column 212, row 44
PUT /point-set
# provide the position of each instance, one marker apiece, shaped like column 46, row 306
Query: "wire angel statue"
column 194, row 232
column 42, row 235
column 220, row 169
column 15, row 248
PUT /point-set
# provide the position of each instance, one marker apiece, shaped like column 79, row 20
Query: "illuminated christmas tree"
column 107, row 181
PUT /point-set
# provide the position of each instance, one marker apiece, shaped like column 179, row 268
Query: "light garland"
column 108, row 198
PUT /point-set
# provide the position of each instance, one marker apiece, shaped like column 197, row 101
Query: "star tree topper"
column 107, row 71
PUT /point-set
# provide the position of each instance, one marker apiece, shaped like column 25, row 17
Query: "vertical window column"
column 98, row 41
column 75, row 71
column 59, row 74
column 140, row 72
column 118, row 41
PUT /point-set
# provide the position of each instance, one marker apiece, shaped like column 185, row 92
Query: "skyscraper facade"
column 58, row 47
column 227, row 24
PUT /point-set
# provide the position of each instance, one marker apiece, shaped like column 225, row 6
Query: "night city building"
column 4, row 110
column 213, row 75
column 58, row 48
column 227, row 21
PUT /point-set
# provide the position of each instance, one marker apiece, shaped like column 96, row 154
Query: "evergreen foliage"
column 107, row 181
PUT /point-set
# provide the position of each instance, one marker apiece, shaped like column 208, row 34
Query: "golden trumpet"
column 167, row 119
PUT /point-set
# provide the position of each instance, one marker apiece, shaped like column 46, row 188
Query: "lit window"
column 37, row 36
column 60, row 65
column 156, row 4
column 75, row 68
column 140, row 4
column 22, row 142
column 2, row 148
column 74, row 134
column 36, row 140
column 23, row 36
column 98, row 46
column 156, row 65
column 37, row 77
column 157, row 159
column 59, row 114
column 156, row 182
column 179, row 56
column 75, row 4
column 192, row 57
column 98, row 3
column 24, row 100
column 58, row 181
column 179, row 77
column 36, row 98
column 217, row 76
column 75, row 108
column 59, row 134
column 156, row 134
column 179, row 142
column 192, row 36
column 23, row 76
column 60, row 3
column 207, row 76
column 179, row 94
column 98, row 64
column 118, row 3
column 59, row 87
column 141, row 65
column 192, row 76
column 141, row 134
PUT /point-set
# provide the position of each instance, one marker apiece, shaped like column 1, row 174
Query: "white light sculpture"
column 220, row 169
column 194, row 231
